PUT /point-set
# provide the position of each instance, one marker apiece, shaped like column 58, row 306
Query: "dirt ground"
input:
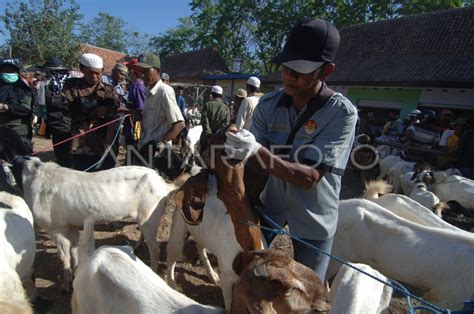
column 190, row 275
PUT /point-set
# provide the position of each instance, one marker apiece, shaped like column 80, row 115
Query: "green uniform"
column 214, row 116
column 19, row 98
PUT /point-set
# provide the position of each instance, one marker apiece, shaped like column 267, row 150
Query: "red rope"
column 79, row 135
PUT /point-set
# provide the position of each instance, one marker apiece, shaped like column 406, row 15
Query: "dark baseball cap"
column 148, row 60
column 311, row 43
column 10, row 61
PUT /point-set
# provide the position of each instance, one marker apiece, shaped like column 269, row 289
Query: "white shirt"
column 160, row 113
column 244, row 116
column 444, row 137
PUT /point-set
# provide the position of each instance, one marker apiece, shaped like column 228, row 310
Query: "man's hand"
column 241, row 145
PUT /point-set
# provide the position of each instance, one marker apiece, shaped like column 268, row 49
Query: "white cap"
column 91, row 60
column 415, row 112
column 303, row 66
column 217, row 89
column 254, row 81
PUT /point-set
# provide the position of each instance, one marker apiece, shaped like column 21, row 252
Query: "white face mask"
column 9, row 77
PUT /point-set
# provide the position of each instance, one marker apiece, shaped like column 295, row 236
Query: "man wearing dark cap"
column 49, row 93
column 162, row 120
column 16, row 100
column 316, row 128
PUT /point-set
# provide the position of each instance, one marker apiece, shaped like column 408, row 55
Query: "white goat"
column 422, row 195
column 454, row 188
column 355, row 292
column 438, row 261
column 12, row 294
column 221, row 241
column 194, row 134
column 385, row 164
column 17, row 239
column 396, row 172
column 61, row 199
column 404, row 206
column 114, row 280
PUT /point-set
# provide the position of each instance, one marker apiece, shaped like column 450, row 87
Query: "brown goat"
column 278, row 284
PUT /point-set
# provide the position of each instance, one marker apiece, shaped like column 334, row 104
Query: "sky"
column 145, row 16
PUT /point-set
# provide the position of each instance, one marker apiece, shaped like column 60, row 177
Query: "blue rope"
column 396, row 285
column 108, row 147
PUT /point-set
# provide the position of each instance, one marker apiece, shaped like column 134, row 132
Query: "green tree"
column 137, row 42
column 43, row 28
column 105, row 31
column 175, row 40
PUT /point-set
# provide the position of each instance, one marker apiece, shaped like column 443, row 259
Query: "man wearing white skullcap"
column 91, row 60
column 214, row 115
column 244, row 116
column 88, row 103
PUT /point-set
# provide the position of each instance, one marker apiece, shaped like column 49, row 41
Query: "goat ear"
column 238, row 263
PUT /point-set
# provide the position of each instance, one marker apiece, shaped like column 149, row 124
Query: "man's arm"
column 298, row 174
column 241, row 114
column 175, row 129
column 206, row 129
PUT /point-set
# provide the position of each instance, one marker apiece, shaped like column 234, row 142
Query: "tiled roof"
column 110, row 57
column 433, row 49
column 195, row 64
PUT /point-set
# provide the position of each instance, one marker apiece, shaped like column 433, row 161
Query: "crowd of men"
column 445, row 132
column 73, row 110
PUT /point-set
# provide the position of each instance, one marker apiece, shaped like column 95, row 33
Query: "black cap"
column 53, row 64
column 311, row 39
column 10, row 61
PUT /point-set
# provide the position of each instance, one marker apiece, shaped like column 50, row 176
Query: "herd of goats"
column 386, row 234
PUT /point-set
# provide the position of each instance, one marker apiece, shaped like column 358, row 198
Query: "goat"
column 192, row 139
column 438, row 261
column 385, row 164
column 407, row 180
column 355, row 292
column 12, row 294
column 396, row 172
column 454, row 188
column 17, row 239
column 271, row 275
column 61, row 199
column 223, row 209
column 113, row 279
column 422, row 195
column 404, row 206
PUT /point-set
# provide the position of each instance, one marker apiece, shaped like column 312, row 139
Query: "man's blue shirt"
column 325, row 140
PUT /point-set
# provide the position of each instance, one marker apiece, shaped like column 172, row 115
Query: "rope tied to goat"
column 82, row 134
column 428, row 306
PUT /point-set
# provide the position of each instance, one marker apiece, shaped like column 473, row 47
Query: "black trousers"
column 62, row 151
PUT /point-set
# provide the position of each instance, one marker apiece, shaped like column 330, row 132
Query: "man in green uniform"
column 214, row 115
